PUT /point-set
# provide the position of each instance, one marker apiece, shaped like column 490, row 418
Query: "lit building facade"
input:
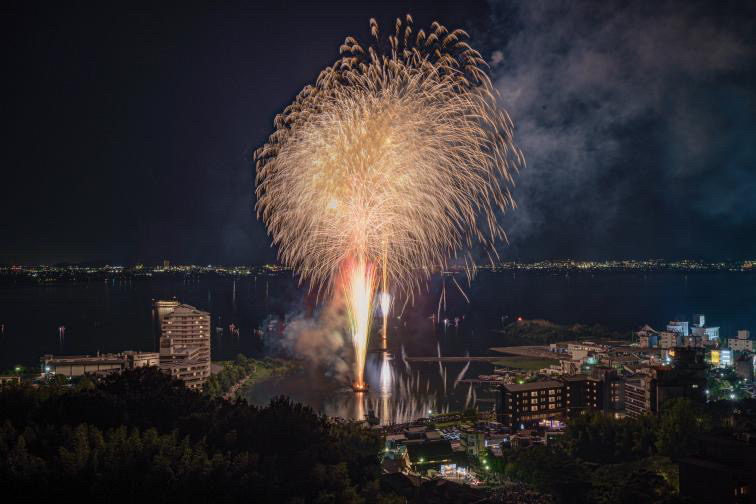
column 669, row 339
column 639, row 396
column 742, row 343
column 185, row 344
column 525, row 404
column 644, row 394
column 78, row 365
column 680, row 327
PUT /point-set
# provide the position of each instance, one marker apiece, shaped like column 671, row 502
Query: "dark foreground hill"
column 143, row 437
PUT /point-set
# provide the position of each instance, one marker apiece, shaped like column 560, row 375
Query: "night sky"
column 127, row 137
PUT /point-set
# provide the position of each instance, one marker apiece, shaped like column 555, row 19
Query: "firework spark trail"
column 460, row 290
column 399, row 158
column 406, row 300
column 461, row 375
column 444, row 292
column 444, row 380
column 404, row 360
column 385, row 303
column 61, row 336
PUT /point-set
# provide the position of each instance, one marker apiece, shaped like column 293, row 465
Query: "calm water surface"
column 117, row 315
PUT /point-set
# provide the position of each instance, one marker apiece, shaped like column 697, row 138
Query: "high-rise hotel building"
column 184, row 342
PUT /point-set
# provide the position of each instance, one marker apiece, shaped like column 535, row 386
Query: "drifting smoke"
column 636, row 113
column 318, row 340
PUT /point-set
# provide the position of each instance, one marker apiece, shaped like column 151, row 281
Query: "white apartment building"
column 185, row 343
column 678, row 326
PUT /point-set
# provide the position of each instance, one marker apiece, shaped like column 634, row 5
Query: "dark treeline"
column 601, row 459
column 543, row 332
column 142, row 435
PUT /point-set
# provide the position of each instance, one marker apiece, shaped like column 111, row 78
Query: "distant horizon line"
column 558, row 262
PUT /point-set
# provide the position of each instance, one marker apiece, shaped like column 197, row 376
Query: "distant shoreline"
column 41, row 275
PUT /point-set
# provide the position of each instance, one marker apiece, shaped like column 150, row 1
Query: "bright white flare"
column 359, row 286
column 385, row 299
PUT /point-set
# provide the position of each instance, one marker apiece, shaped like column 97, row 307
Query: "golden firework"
column 398, row 159
column 404, row 149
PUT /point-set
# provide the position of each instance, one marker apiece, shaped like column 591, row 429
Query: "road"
column 236, row 386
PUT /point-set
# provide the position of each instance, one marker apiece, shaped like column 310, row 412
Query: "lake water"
column 117, row 315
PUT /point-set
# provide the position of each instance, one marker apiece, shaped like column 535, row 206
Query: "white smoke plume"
column 319, row 340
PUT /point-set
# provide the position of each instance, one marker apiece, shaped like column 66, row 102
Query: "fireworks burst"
column 398, row 159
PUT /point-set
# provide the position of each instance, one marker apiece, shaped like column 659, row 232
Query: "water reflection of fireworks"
column 395, row 396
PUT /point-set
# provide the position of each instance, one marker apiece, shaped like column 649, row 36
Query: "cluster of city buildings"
column 567, row 265
column 449, row 446
column 625, row 379
column 50, row 275
column 618, row 378
column 184, row 351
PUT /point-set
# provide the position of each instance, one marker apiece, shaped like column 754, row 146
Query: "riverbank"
column 230, row 378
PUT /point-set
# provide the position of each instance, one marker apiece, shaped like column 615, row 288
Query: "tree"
column 600, row 438
column 551, row 470
column 681, row 422
column 142, row 435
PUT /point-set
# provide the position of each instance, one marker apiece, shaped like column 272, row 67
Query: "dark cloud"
column 636, row 120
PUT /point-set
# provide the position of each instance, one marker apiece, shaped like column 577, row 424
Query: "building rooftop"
column 575, row 377
column 539, row 385
column 108, row 357
column 185, row 309
column 431, row 451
